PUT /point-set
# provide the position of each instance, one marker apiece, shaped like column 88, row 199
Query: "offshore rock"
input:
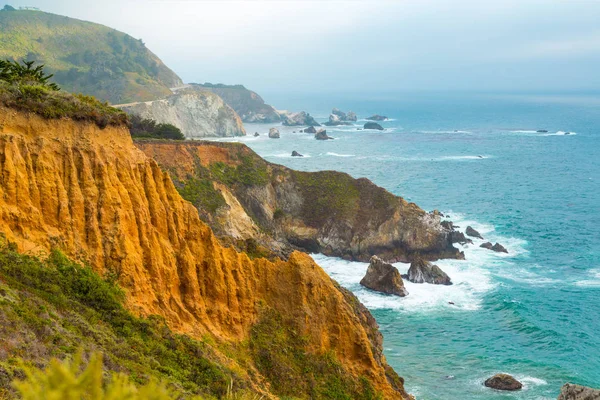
column 377, row 117
column 383, row 277
column 373, row 125
column 274, row 133
column 578, row 392
column 197, row 114
column 296, row 154
column 503, row 382
column 499, row 248
column 299, row 118
column 473, row 233
column 422, row 271
column 335, row 120
column 322, row 135
column 310, row 129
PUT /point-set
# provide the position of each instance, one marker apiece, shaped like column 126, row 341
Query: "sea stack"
column 383, row 277
column 274, row 133
column 503, row 382
column 422, row 271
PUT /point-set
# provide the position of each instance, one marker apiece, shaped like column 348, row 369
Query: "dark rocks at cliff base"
column 503, row 382
column 373, row 125
column 299, row 118
column 383, row 277
column 459, row 237
column 256, row 134
column 296, row 154
column 377, row 117
column 542, row 131
column 448, row 225
column 497, row 247
column 422, row 271
column 578, row 392
column 274, row 133
column 310, row 129
column 473, row 233
column 322, row 135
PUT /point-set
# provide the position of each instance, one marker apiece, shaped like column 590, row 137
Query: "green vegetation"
column 86, row 57
column 327, row 194
column 279, row 354
column 201, row 193
column 27, row 88
column 250, row 172
column 148, row 128
column 55, row 307
column 8, row 7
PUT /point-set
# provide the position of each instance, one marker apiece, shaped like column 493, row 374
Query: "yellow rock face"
column 92, row 193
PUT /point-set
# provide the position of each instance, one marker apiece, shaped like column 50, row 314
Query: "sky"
column 376, row 46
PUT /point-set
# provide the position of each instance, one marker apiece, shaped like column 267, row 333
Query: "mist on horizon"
column 363, row 47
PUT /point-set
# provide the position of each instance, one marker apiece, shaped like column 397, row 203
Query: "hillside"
column 86, row 57
column 248, row 104
column 246, row 198
column 284, row 327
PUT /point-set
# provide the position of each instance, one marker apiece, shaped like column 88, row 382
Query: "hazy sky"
column 353, row 46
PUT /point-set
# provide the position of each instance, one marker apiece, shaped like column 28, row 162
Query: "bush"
column 148, row 128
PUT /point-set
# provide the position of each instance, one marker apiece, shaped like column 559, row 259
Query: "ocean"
column 534, row 312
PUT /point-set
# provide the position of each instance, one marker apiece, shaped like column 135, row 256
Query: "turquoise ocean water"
column 534, row 313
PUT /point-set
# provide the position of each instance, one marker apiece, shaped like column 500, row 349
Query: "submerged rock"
column 377, row 117
column 310, row 129
column 274, row 133
column 296, row 154
column 373, row 125
column 578, row 392
column 542, row 131
column 322, row 135
column 422, row 271
column 473, row 233
column 503, row 382
column 383, row 277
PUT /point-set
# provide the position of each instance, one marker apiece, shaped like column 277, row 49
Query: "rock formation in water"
column 377, row 117
column 93, row 194
column 422, row 271
column 310, row 129
column 578, row 392
column 274, row 133
column 383, row 277
column 498, row 248
column 373, row 125
column 298, row 118
column 503, row 382
column 296, row 154
column 338, row 117
column 198, row 114
column 246, row 103
column 473, row 233
column 328, row 212
column 322, row 135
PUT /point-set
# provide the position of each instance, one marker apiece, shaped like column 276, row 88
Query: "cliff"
column 198, row 114
column 86, row 57
column 328, row 212
column 248, row 104
column 91, row 193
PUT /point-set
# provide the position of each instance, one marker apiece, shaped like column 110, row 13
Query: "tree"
column 9, row 8
column 15, row 72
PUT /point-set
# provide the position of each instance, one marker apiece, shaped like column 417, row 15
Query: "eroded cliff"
column 91, row 193
column 328, row 212
column 197, row 113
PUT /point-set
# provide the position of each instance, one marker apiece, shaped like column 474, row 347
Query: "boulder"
column 383, row 277
column 487, row 245
column 503, row 382
column 296, row 154
column 422, row 271
column 459, row 237
column 322, row 135
column 299, row 118
column 373, row 125
column 578, row 392
column 499, row 248
column 256, row 134
column 310, row 129
column 274, row 133
column 377, row 117
column 473, row 233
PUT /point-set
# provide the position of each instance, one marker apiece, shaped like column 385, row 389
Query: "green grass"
column 250, row 172
column 86, row 57
column 55, row 307
column 201, row 193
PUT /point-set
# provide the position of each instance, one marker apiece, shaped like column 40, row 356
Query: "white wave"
column 287, row 155
column 530, row 381
column 559, row 133
column 478, row 157
column 446, row 131
column 330, row 153
column 593, row 281
column 524, row 131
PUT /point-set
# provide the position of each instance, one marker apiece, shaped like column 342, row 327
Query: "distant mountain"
column 86, row 57
column 248, row 104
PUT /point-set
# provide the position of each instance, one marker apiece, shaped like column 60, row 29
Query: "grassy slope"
column 86, row 57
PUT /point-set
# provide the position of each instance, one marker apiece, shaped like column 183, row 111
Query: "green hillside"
column 86, row 57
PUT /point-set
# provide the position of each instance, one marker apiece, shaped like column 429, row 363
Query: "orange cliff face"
column 92, row 193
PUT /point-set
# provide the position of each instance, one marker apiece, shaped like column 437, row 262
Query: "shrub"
column 148, row 128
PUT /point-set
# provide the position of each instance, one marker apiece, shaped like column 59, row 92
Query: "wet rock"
column 487, row 245
column 274, row 133
column 473, row 233
column 373, row 125
column 459, row 237
column 377, row 117
column 296, row 154
column 383, row 277
column 542, row 131
column 578, row 392
column 322, row 135
column 256, row 134
column 422, row 271
column 448, row 225
column 310, row 129
column 503, row 382
column 499, row 248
